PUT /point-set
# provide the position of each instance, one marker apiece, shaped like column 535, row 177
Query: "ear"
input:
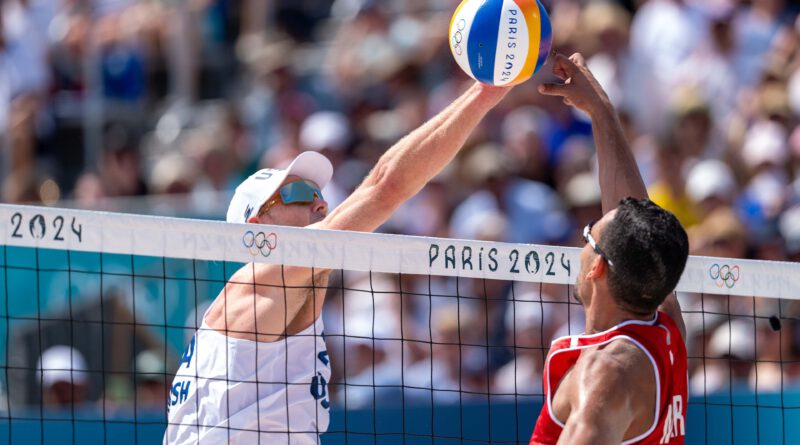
column 598, row 269
column 253, row 220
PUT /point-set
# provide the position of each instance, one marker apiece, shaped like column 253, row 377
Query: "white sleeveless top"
column 229, row 390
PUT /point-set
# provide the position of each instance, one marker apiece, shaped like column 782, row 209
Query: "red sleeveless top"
column 661, row 340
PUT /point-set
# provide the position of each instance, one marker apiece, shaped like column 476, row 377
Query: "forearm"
column 406, row 167
column 414, row 160
column 619, row 174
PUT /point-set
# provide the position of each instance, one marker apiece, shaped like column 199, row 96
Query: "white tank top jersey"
column 236, row 391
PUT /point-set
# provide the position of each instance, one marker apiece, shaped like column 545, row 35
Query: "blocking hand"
column 580, row 89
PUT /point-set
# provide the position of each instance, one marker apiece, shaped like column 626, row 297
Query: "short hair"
column 649, row 248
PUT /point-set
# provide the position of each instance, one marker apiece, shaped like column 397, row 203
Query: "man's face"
column 589, row 256
column 300, row 214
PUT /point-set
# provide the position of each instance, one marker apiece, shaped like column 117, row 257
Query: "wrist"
column 490, row 93
column 601, row 108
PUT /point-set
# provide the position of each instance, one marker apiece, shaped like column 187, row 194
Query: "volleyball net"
column 429, row 340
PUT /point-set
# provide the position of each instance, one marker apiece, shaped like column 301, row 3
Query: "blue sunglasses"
column 298, row 192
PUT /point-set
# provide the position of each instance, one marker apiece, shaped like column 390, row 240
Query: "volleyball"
column 500, row 42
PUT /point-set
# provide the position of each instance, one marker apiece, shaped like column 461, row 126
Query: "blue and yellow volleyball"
column 500, row 42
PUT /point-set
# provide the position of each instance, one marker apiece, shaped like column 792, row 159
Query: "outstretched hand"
column 580, row 89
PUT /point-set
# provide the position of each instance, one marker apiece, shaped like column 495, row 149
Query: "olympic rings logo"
column 260, row 243
column 724, row 275
column 458, row 37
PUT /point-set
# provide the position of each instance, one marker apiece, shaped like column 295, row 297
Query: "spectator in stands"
column 62, row 372
column 152, row 380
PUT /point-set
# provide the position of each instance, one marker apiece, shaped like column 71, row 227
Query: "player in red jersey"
column 625, row 380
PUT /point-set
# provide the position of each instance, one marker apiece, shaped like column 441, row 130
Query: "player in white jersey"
column 257, row 370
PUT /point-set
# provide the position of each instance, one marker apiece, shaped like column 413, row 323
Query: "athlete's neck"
column 603, row 314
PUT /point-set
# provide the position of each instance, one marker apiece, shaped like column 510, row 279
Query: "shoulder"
column 619, row 364
column 606, row 400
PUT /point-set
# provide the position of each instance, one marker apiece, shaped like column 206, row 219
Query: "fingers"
column 553, row 89
column 578, row 60
column 566, row 69
column 567, row 65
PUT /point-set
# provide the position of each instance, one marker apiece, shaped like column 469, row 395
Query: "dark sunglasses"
column 298, row 192
column 587, row 237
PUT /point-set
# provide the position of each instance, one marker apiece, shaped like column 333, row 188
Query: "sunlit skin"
column 591, row 284
column 580, row 384
column 609, row 395
column 299, row 311
column 265, row 302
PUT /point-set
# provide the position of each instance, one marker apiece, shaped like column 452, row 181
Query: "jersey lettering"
column 319, row 386
column 674, row 424
column 179, row 392
column 187, row 356
column 319, row 390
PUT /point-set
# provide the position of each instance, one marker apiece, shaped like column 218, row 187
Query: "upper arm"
column 262, row 300
column 602, row 409
column 672, row 307
column 618, row 171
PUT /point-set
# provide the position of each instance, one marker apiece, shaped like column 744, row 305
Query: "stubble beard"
column 576, row 293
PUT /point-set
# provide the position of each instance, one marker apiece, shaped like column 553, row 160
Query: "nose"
column 319, row 205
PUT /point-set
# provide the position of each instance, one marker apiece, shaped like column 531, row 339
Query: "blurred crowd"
column 107, row 100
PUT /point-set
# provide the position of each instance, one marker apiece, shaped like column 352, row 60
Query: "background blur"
column 164, row 106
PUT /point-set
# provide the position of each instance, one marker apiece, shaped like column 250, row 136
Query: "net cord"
column 112, row 233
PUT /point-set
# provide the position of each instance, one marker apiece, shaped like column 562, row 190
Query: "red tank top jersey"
column 661, row 341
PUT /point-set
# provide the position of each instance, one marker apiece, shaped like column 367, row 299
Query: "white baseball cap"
column 61, row 364
column 255, row 190
column 765, row 142
column 711, row 178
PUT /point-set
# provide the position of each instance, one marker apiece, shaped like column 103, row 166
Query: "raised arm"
column 408, row 165
column 619, row 174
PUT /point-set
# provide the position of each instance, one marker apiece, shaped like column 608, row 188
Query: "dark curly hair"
column 649, row 248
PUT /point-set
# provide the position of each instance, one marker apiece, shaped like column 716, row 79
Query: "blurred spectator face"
column 365, row 349
column 121, row 172
column 523, row 142
column 711, row 184
column 446, row 341
column 89, row 190
column 771, row 6
column 693, row 130
column 736, row 341
column 670, row 160
column 722, row 36
column 582, row 194
column 575, row 157
column 19, row 188
column 765, row 146
column 607, row 24
column 173, row 173
column 326, row 132
column 527, row 321
column 721, row 234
